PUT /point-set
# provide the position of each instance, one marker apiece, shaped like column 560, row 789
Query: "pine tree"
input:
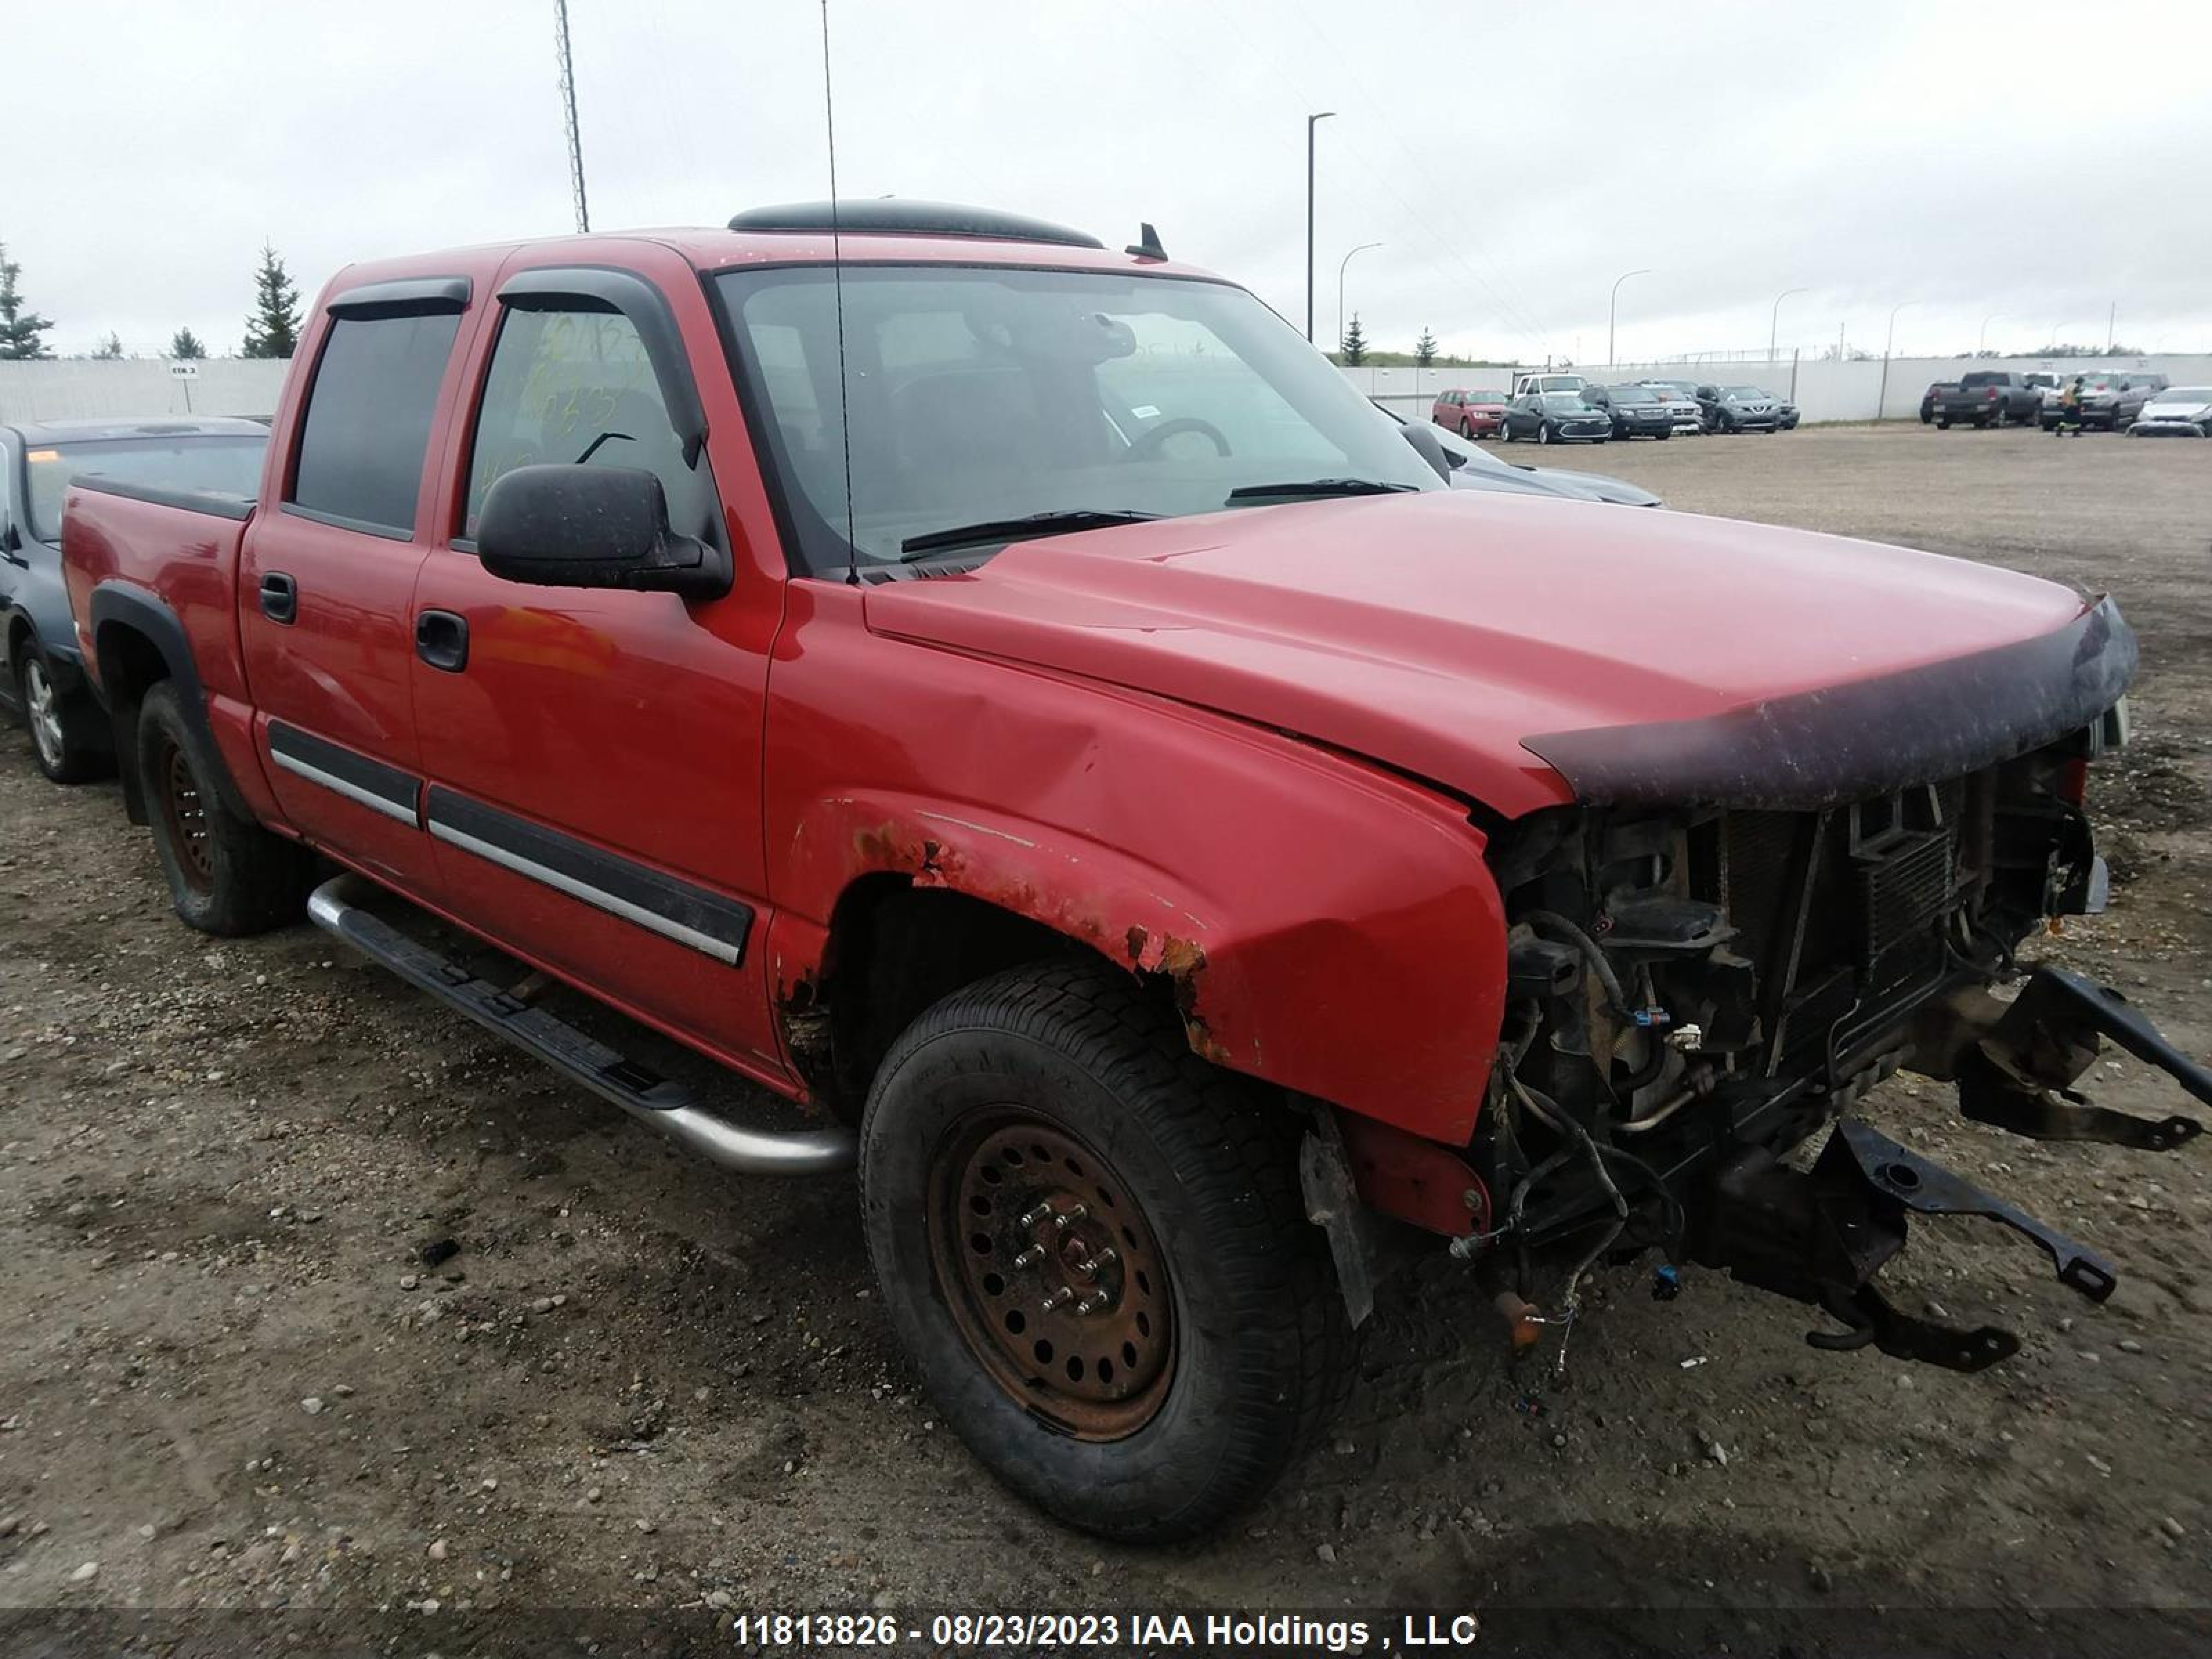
column 1425, row 349
column 20, row 330
column 185, row 346
column 1353, row 352
column 109, row 351
column 273, row 330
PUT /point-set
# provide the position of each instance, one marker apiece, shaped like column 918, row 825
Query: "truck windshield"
column 980, row 394
column 229, row 463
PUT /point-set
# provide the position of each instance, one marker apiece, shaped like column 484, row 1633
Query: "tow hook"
column 1822, row 1237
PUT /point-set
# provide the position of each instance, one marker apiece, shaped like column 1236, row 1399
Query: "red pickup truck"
column 1015, row 700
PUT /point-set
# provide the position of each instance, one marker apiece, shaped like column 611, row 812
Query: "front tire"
column 1044, row 1142
column 66, row 739
column 227, row 874
column 1544, row 432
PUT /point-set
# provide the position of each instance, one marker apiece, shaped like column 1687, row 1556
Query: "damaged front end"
column 1697, row 992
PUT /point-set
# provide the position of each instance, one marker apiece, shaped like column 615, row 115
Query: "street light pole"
column 1311, row 122
column 1983, row 339
column 1346, row 260
column 1612, row 306
column 1889, row 339
column 1774, row 318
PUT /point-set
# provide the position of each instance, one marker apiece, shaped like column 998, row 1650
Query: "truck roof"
column 870, row 232
column 152, row 425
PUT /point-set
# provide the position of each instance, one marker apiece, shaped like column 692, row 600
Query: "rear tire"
column 1218, row 1346
column 67, row 737
column 227, row 874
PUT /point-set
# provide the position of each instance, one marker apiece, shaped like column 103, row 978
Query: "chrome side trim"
column 599, row 898
column 352, row 792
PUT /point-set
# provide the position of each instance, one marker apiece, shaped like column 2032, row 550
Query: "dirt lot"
column 233, row 1381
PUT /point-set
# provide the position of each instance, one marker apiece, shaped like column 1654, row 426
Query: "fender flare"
column 118, row 607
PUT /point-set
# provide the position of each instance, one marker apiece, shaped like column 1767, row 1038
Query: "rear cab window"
column 362, row 440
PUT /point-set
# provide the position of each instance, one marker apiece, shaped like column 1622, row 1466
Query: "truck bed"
column 162, row 564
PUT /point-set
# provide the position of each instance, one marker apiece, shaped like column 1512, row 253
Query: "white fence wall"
column 1822, row 389
column 80, row 389
column 76, row 389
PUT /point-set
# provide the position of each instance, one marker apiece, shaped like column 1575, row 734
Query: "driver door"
column 593, row 755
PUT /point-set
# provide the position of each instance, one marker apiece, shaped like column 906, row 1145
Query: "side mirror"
column 1429, row 447
column 593, row 526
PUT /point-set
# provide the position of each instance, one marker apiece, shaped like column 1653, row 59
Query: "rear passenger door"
column 594, row 756
column 327, row 576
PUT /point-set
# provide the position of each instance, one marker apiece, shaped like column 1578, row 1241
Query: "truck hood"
column 1525, row 652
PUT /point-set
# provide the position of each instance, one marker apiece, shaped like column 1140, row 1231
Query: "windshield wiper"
column 1322, row 487
column 1058, row 523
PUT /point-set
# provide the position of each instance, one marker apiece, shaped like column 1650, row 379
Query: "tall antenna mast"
column 837, row 282
column 568, row 116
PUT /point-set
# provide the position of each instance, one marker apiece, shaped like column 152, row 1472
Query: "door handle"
column 441, row 639
column 280, row 597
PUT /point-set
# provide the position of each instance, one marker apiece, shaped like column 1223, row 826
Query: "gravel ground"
column 320, row 1298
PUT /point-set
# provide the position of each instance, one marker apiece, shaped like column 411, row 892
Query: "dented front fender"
column 1323, row 924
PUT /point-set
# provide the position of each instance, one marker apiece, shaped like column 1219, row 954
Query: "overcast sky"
column 2038, row 162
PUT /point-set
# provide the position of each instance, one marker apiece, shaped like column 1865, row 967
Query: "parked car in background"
column 1474, row 467
column 1637, row 411
column 1470, row 414
column 1989, row 397
column 1552, row 417
column 2181, row 412
column 2045, row 381
column 1734, row 409
column 1929, row 399
column 42, row 680
column 2098, row 388
column 2125, row 403
column 1681, row 398
column 1547, row 380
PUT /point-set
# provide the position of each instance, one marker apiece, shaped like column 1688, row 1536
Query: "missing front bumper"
column 1820, row 1237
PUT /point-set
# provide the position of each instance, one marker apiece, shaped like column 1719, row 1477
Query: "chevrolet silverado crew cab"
column 1016, row 700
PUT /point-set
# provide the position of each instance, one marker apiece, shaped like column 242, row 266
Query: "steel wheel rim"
column 184, row 815
column 1052, row 1273
column 42, row 708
